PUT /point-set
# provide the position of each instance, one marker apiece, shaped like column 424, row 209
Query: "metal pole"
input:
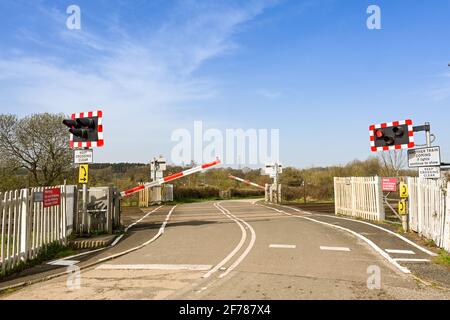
column 428, row 134
column 84, row 206
column 84, row 211
column 304, row 191
column 276, row 183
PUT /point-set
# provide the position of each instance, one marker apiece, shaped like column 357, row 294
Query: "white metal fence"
column 26, row 227
column 429, row 210
column 359, row 197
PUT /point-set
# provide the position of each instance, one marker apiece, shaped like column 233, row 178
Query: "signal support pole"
column 84, row 211
column 84, row 206
column 427, row 129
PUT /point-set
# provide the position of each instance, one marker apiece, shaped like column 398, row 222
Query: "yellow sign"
column 84, row 174
column 402, row 207
column 404, row 193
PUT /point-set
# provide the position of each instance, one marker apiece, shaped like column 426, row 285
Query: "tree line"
column 34, row 151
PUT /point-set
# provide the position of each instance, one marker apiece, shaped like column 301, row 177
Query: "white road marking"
column 190, row 267
column 335, row 248
column 412, row 260
column 112, row 244
column 369, row 242
column 400, row 251
column 64, row 263
column 298, row 210
column 375, row 226
column 145, row 216
column 247, row 250
column 283, row 246
column 159, row 234
column 386, row 230
column 235, row 250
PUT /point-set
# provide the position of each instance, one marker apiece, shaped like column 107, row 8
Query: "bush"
column 246, row 193
column 182, row 193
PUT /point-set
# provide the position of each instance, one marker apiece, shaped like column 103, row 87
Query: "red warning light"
column 379, row 134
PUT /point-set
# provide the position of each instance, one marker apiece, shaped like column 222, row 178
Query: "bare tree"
column 393, row 162
column 37, row 143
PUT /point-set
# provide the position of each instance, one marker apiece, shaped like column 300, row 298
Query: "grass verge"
column 49, row 252
column 443, row 258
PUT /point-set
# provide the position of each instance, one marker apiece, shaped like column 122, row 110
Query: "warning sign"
column 83, row 156
column 404, row 192
column 424, row 157
column 84, row 174
column 389, row 184
column 430, row 172
column 52, row 197
column 402, row 207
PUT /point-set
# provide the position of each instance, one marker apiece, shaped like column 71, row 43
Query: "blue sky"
column 309, row 68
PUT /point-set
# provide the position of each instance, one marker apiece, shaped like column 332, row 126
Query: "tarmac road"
column 244, row 250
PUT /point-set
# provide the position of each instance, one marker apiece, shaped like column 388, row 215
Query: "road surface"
column 241, row 250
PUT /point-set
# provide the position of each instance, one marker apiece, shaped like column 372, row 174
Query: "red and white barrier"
column 170, row 178
column 246, row 182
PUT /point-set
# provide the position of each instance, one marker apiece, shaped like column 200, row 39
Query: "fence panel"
column 359, row 197
column 27, row 227
column 429, row 214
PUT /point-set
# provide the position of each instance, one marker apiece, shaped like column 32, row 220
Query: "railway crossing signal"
column 392, row 136
column 86, row 129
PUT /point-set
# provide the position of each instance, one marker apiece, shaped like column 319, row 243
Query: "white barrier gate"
column 359, row 197
column 429, row 210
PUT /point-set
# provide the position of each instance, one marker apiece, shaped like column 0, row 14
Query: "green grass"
column 49, row 252
column 430, row 243
column 443, row 258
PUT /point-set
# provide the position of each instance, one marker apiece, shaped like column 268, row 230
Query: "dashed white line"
column 282, row 246
column 411, row 260
column 190, row 267
column 375, row 226
column 325, row 248
column 400, row 251
column 368, row 241
column 64, row 263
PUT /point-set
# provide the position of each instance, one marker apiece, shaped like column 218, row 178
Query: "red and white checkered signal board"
column 89, row 144
column 410, row 133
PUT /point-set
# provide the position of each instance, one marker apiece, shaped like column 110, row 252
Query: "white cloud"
column 149, row 77
column 269, row 94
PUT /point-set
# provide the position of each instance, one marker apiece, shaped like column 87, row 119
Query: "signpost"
column 83, row 174
column 430, row 172
column 83, row 156
column 86, row 132
column 424, row 157
column 52, row 197
column 274, row 170
column 389, row 184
